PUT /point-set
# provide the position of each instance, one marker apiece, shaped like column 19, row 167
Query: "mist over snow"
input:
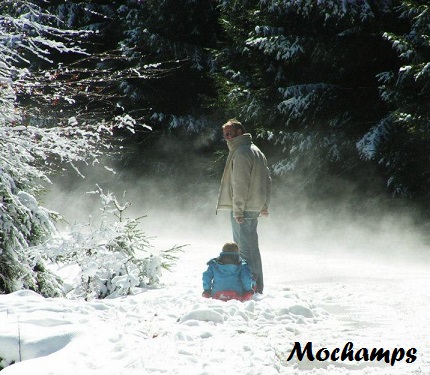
column 180, row 208
column 334, row 244
column 329, row 280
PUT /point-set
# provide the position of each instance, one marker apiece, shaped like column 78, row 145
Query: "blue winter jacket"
column 227, row 272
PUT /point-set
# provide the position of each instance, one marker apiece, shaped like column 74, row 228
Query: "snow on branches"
column 32, row 147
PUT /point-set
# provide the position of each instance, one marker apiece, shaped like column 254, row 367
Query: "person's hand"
column 206, row 294
column 264, row 213
column 239, row 219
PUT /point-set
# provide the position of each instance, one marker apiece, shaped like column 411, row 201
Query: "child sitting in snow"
column 228, row 276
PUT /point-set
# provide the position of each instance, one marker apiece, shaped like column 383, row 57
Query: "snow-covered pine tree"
column 173, row 36
column 30, row 147
column 302, row 75
column 152, row 63
column 400, row 141
column 110, row 255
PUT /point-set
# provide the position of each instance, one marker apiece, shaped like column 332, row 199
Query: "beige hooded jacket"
column 246, row 182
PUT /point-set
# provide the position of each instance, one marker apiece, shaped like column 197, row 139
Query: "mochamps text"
column 348, row 353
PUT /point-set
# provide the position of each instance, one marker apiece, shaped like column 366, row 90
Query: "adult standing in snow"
column 245, row 191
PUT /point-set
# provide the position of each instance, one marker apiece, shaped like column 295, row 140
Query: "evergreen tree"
column 60, row 98
column 303, row 76
column 32, row 145
column 400, row 141
column 172, row 35
column 170, row 40
column 147, row 65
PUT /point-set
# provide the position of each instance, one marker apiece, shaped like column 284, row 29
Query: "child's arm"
column 208, row 276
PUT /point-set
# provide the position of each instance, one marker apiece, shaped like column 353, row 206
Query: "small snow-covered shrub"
column 113, row 255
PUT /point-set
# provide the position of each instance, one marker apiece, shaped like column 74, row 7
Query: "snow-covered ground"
column 327, row 293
